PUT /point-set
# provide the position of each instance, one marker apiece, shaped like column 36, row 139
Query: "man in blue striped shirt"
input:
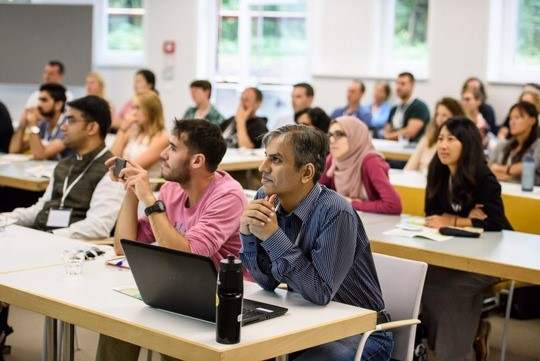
column 307, row 236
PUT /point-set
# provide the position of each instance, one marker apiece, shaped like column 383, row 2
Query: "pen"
column 119, row 263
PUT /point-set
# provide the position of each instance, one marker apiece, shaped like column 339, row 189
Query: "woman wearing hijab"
column 356, row 170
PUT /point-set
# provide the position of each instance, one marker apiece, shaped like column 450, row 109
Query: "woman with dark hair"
column 528, row 96
column 461, row 191
column 506, row 159
column 315, row 117
column 144, row 80
column 356, row 170
column 474, row 83
column 427, row 147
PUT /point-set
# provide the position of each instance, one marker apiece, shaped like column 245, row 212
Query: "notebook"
column 184, row 283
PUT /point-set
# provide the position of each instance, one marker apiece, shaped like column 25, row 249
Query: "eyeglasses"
column 338, row 134
column 72, row 120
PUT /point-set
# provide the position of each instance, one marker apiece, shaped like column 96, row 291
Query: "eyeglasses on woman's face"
column 337, row 135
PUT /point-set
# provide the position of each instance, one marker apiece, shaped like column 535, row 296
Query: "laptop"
column 184, row 283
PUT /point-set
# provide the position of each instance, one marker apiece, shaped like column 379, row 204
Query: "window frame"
column 503, row 32
column 245, row 15
column 386, row 65
column 103, row 56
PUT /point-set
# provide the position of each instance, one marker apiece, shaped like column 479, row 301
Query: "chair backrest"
column 402, row 283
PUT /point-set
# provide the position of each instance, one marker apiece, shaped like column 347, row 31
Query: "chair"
column 402, row 283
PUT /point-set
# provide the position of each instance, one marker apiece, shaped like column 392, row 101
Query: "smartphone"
column 118, row 166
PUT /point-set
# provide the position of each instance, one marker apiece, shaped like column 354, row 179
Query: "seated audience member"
column 315, row 117
column 95, row 85
column 198, row 209
column 471, row 100
column 81, row 201
column 528, row 96
column 461, row 191
column 411, row 116
column 357, row 171
column 306, row 235
column 143, row 140
column 485, row 109
column 53, row 73
column 201, row 90
column 144, row 80
column 380, row 108
column 506, row 159
column 245, row 129
column 427, row 147
column 355, row 92
column 301, row 98
column 45, row 124
column 6, row 128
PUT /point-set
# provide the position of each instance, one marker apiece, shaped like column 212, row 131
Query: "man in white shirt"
column 52, row 73
column 301, row 98
column 81, row 200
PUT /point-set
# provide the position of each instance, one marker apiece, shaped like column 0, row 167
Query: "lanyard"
column 67, row 189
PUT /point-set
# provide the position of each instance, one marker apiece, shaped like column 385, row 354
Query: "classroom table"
column 394, row 150
column 16, row 174
column 521, row 208
column 89, row 301
column 506, row 254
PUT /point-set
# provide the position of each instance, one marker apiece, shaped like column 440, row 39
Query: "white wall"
column 341, row 34
column 458, row 34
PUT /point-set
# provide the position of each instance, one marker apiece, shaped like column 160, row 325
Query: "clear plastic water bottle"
column 229, row 295
column 527, row 173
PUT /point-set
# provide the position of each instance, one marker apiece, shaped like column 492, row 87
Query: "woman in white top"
column 427, row 147
column 144, row 136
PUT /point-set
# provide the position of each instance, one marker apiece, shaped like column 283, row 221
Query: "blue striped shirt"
column 332, row 259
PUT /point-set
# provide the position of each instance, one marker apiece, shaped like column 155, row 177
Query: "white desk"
column 242, row 159
column 393, row 150
column 24, row 248
column 90, row 302
column 521, row 208
column 13, row 174
column 507, row 254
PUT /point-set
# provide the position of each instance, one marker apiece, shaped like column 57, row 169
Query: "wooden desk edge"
column 39, row 185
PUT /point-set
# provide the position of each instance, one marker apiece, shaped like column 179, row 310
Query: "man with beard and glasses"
column 44, row 126
column 197, row 210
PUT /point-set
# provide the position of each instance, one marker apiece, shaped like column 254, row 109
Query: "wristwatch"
column 159, row 206
column 34, row 129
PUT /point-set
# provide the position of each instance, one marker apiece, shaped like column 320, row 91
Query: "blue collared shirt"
column 320, row 250
column 360, row 113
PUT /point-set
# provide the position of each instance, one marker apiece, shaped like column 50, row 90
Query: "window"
column 514, row 47
column 404, row 29
column 119, row 32
column 260, row 43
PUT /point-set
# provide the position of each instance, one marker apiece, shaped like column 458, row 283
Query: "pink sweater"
column 211, row 226
column 382, row 197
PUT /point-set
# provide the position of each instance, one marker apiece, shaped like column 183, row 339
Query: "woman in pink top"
column 356, row 170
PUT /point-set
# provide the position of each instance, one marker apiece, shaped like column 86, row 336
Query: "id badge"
column 59, row 217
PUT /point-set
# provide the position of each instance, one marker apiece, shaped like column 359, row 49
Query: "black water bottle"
column 230, row 290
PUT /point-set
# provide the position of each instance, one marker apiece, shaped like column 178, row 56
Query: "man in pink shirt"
column 198, row 209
